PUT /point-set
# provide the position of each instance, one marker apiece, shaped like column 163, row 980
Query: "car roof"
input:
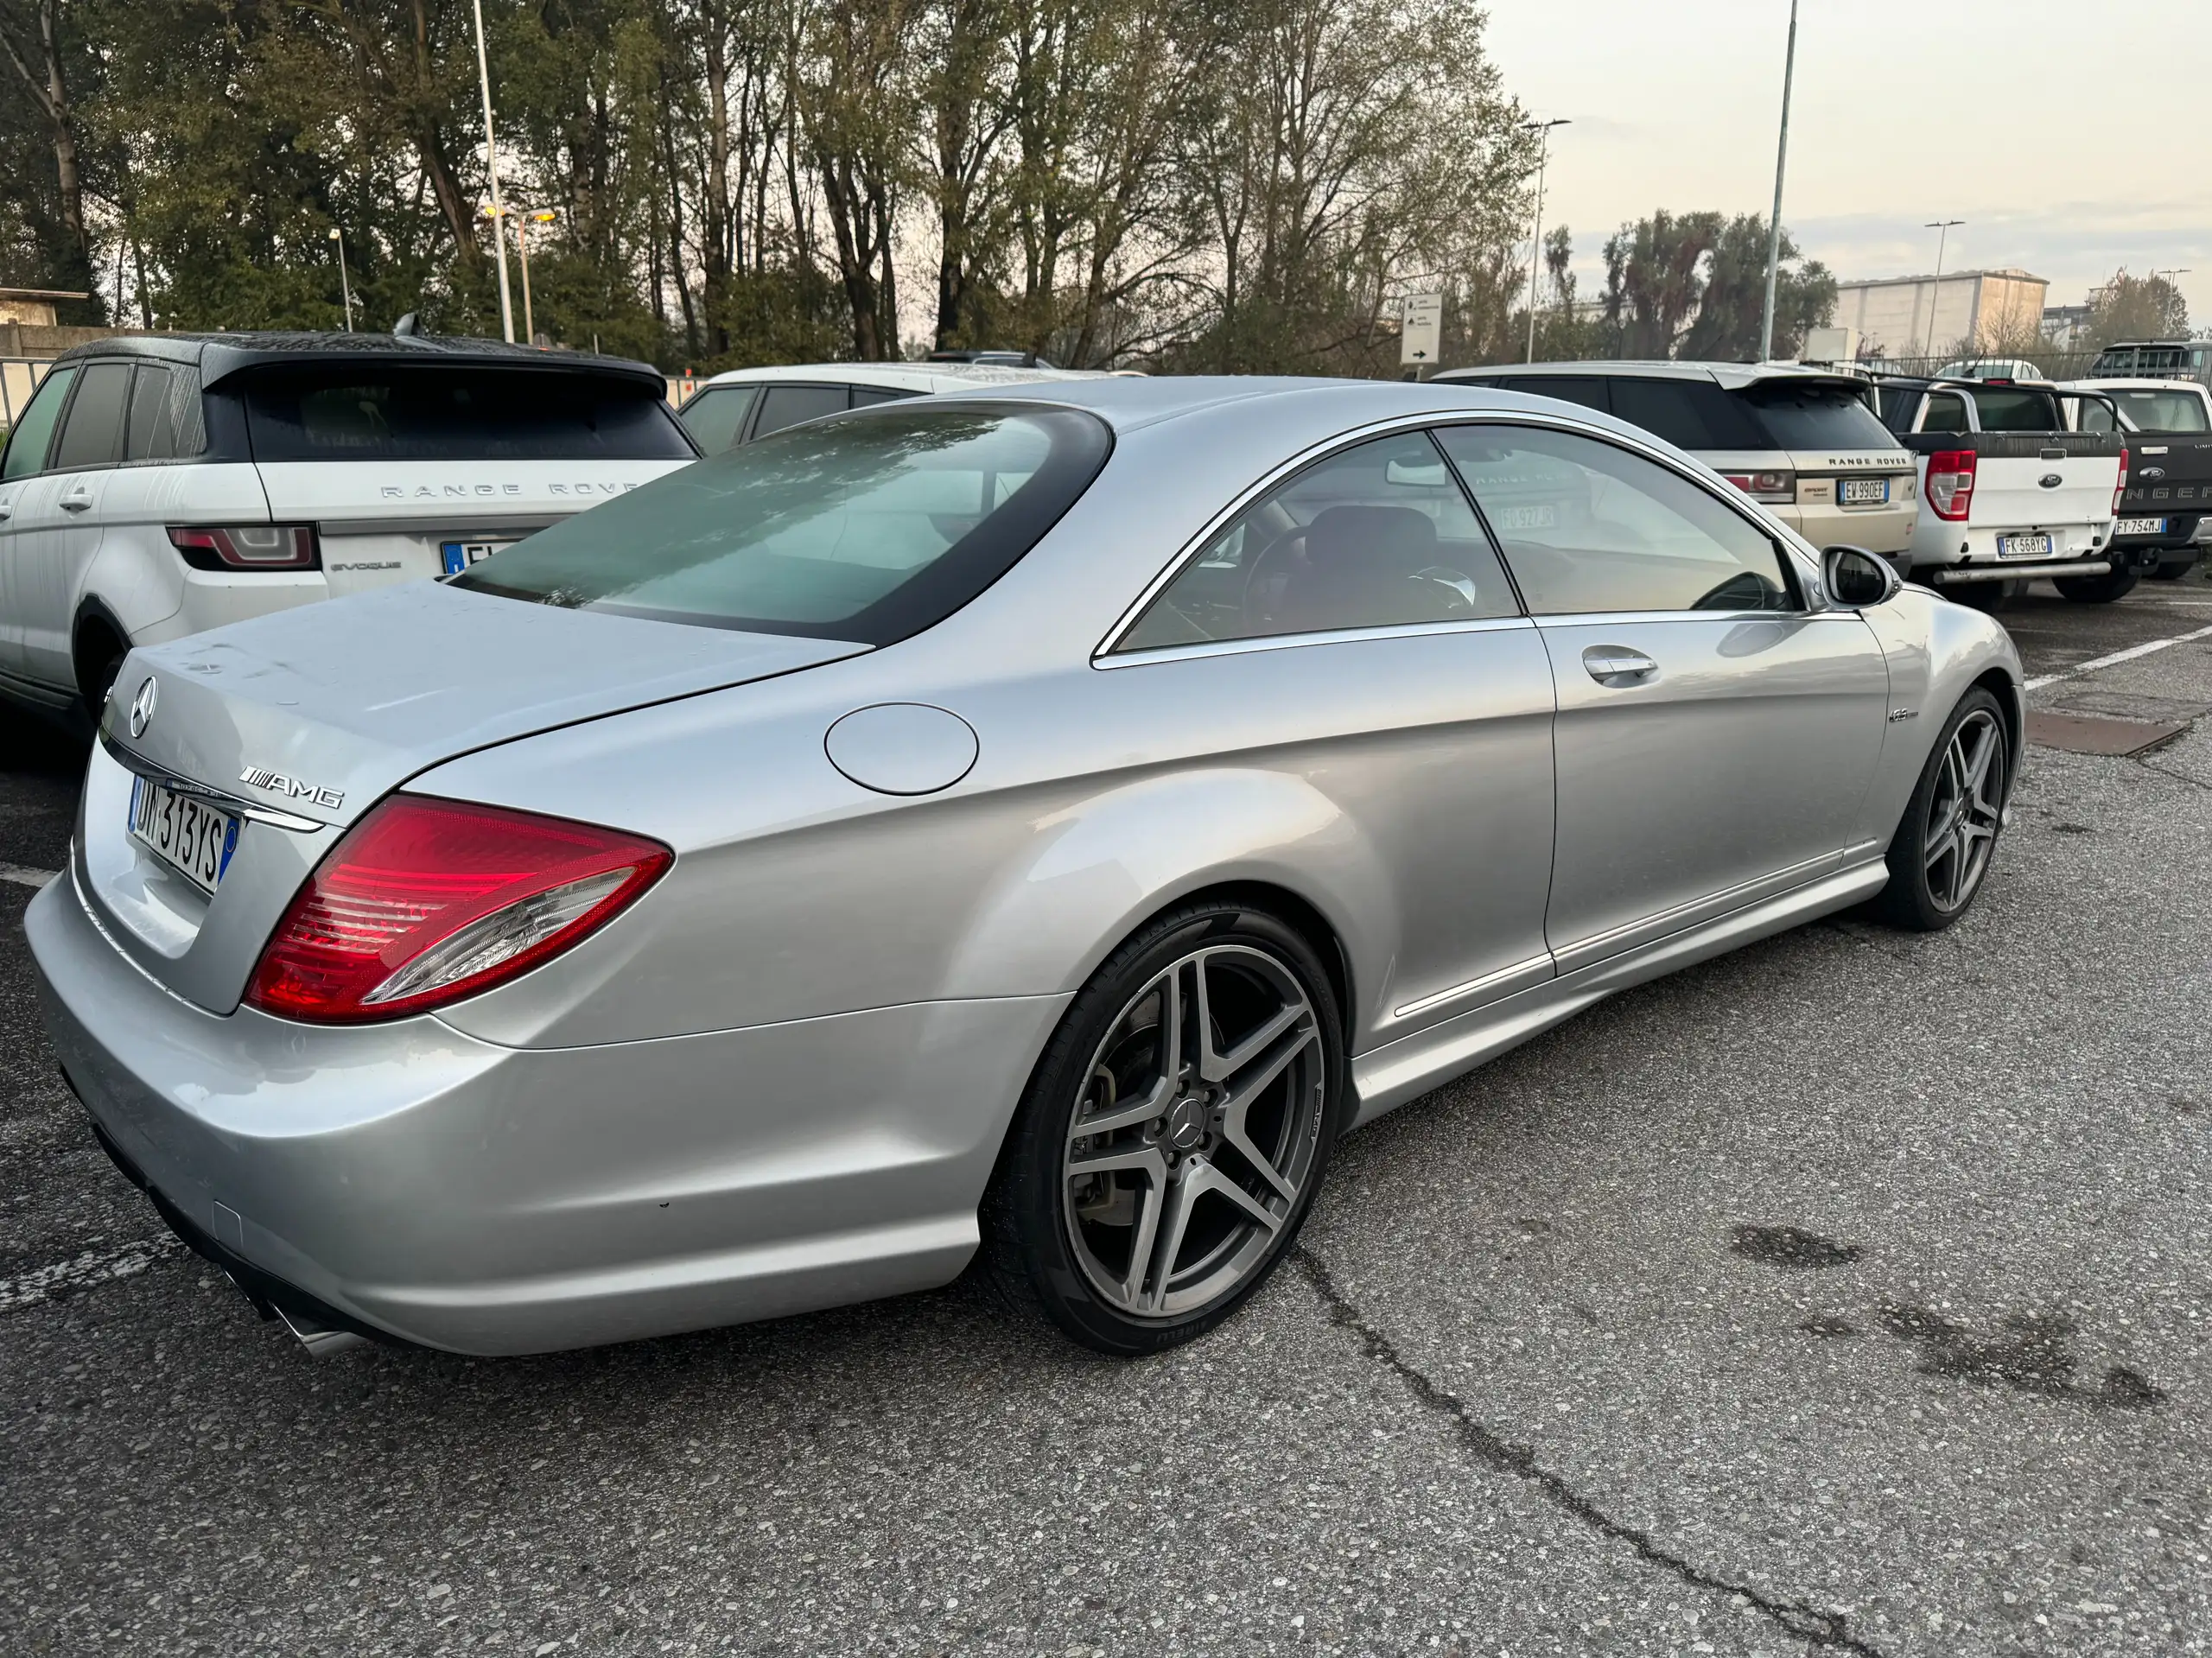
column 2107, row 383
column 903, row 377
column 217, row 356
column 1732, row 377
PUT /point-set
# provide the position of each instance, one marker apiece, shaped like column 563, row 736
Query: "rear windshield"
column 2162, row 411
column 348, row 412
column 1816, row 417
column 869, row 527
column 2010, row 408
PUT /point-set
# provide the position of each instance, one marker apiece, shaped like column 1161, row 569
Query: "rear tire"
column 1940, row 856
column 1988, row 597
column 2174, row 570
column 2095, row 589
column 1169, row 1144
column 99, row 657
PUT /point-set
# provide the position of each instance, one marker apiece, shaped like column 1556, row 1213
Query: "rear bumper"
column 418, row 1182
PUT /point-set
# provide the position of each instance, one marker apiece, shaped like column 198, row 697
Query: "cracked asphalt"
column 1848, row 1294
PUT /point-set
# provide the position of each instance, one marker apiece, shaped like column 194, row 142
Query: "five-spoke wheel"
column 1944, row 845
column 1170, row 1144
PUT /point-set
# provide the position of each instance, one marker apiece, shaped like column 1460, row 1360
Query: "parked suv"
column 750, row 402
column 1800, row 442
column 2166, row 510
column 2159, row 359
column 161, row 484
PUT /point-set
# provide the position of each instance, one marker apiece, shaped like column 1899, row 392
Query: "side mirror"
column 1857, row 580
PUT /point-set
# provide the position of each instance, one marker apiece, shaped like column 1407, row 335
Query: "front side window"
column 1379, row 535
column 346, row 411
column 92, row 434
column 27, row 442
column 1587, row 528
column 869, row 529
column 716, row 416
column 1588, row 389
column 788, row 405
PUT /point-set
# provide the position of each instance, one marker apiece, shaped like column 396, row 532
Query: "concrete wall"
column 31, row 340
column 1915, row 316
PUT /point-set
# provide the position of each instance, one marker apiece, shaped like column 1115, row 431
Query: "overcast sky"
column 1904, row 112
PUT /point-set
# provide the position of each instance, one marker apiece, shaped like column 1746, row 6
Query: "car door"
column 1352, row 635
column 29, row 511
column 52, row 556
column 1715, row 740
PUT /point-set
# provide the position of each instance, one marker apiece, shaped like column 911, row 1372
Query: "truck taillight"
column 1776, row 487
column 1950, row 483
column 2119, row 488
column 247, row 547
column 425, row 901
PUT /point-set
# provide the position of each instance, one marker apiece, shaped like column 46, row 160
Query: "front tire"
column 2095, row 589
column 1940, row 853
column 1169, row 1145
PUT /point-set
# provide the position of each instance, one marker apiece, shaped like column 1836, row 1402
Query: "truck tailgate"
column 2048, row 486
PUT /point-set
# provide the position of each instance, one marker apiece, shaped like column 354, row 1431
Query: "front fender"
column 1936, row 651
column 1100, row 867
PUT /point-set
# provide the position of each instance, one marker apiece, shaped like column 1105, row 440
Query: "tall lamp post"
column 1543, row 131
column 491, row 167
column 538, row 216
column 1943, row 228
column 345, row 283
column 1781, row 164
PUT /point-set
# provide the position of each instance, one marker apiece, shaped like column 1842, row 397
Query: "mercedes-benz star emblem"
column 142, row 707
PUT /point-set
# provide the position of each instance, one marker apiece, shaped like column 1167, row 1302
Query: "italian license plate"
column 1545, row 517
column 2024, row 546
column 191, row 836
column 1863, row 492
column 2139, row 527
column 458, row 555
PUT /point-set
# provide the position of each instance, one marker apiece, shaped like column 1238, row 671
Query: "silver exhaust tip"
column 321, row 1344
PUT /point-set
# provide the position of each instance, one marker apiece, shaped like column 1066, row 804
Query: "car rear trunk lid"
column 307, row 717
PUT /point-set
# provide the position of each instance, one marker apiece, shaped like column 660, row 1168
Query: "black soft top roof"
column 218, row 356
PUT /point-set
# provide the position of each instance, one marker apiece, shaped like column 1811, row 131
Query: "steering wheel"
column 1282, row 546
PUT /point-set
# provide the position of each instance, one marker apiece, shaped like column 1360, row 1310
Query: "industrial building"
column 1922, row 317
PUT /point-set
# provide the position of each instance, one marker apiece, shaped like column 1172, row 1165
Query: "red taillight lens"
column 425, row 901
column 247, row 547
column 2119, row 489
column 1765, row 486
column 1950, row 483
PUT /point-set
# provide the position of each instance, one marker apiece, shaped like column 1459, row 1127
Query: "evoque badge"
column 142, row 706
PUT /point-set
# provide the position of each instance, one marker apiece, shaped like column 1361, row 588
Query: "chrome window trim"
column 1433, row 420
column 1199, row 648
column 141, row 766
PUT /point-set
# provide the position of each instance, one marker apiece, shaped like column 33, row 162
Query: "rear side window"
column 1816, row 417
column 866, row 397
column 1689, row 414
column 91, row 436
column 870, row 528
column 716, row 416
column 26, row 443
column 787, row 405
column 2007, row 409
column 345, row 412
column 164, row 420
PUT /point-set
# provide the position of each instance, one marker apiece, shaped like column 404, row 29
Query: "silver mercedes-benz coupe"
column 1039, row 823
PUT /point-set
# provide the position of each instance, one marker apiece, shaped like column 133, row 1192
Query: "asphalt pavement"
column 1848, row 1295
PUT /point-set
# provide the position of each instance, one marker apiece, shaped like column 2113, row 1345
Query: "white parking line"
column 23, row 875
column 81, row 1272
column 2128, row 655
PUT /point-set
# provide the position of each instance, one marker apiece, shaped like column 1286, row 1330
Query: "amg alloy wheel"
column 1175, row 1132
column 1941, row 852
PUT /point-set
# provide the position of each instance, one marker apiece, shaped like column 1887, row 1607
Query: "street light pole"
column 345, row 283
column 1543, row 131
column 491, row 166
column 1781, row 162
column 543, row 216
column 1943, row 228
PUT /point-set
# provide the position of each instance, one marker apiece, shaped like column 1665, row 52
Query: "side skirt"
column 1387, row 1077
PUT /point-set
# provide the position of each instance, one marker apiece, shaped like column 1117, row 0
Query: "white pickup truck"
column 2008, row 492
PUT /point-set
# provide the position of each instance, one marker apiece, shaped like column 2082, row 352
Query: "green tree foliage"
column 2137, row 308
column 1693, row 285
column 1186, row 183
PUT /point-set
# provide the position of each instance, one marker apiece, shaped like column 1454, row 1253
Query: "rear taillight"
column 247, row 547
column 1950, row 483
column 1778, row 486
column 425, row 901
column 2119, row 489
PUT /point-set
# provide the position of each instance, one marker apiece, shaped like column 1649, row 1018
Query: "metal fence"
column 19, row 377
column 2046, row 364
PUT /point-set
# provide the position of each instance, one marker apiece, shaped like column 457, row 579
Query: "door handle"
column 1608, row 663
column 78, row 499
